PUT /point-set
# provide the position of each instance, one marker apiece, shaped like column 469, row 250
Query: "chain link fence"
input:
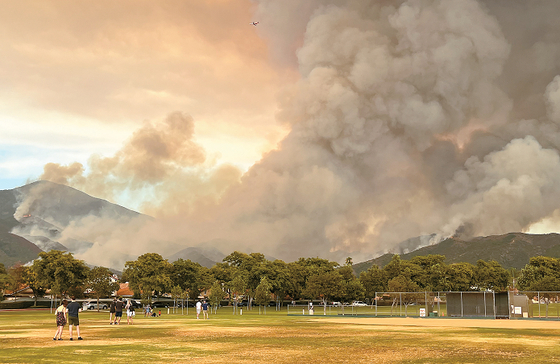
column 467, row 304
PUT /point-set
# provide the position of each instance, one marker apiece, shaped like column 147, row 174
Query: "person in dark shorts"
column 73, row 320
column 112, row 310
column 60, row 313
column 118, row 311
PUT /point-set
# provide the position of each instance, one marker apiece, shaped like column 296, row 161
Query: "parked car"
column 160, row 304
column 359, row 303
column 336, row 303
column 93, row 305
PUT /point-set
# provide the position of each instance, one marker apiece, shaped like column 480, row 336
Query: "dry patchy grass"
column 26, row 337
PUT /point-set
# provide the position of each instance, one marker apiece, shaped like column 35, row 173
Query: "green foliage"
column 490, row 275
column 459, row 277
column 190, row 276
column 59, row 272
column 541, row 274
column 238, row 286
column 99, row 281
column 262, row 292
column 4, row 280
column 16, row 275
column 149, row 274
column 217, row 294
column 326, row 286
column 353, row 288
column 374, row 280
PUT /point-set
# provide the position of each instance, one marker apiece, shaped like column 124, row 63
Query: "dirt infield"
column 446, row 322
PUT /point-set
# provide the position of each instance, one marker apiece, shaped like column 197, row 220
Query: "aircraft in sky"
column 254, row 23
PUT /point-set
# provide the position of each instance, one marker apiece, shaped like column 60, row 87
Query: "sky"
column 78, row 79
column 334, row 128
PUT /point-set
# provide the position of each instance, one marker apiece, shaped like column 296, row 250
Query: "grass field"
column 26, row 337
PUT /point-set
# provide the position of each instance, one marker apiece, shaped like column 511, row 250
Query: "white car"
column 93, row 306
column 359, row 303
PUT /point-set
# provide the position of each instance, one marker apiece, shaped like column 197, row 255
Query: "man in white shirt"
column 198, row 309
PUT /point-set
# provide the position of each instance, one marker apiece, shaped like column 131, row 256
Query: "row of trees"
column 62, row 274
column 253, row 277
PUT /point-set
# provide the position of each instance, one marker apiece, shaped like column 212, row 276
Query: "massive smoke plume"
column 410, row 118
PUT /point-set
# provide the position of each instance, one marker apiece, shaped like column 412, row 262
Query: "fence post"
column 426, row 302
column 539, row 302
column 438, row 308
column 461, row 304
column 494, row 303
column 484, row 295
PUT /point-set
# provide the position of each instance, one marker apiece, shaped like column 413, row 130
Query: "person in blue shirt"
column 205, row 309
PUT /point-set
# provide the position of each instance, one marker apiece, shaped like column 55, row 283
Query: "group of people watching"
column 68, row 312
column 116, row 311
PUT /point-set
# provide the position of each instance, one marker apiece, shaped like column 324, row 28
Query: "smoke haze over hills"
column 409, row 118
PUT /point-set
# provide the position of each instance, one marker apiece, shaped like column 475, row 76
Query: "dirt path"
column 447, row 322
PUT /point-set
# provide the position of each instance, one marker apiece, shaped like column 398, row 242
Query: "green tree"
column 459, row 277
column 147, row 275
column 374, row 280
column 325, row 286
column 60, row 272
column 16, row 279
column 490, row 275
column 541, row 274
column 252, row 267
column 237, row 288
column 405, row 288
column 216, row 296
column 262, row 292
column 176, row 293
column 352, row 287
column 429, row 271
column 100, row 282
column 190, row 276
column 31, row 278
column 301, row 272
column 4, row 280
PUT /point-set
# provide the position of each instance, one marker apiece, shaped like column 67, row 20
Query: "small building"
column 478, row 304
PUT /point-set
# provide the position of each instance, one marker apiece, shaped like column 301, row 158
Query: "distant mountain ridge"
column 203, row 256
column 33, row 218
column 512, row 250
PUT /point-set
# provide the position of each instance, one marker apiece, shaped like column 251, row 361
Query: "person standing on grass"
column 60, row 319
column 73, row 309
column 198, row 309
column 112, row 310
column 118, row 311
column 129, row 312
column 205, row 309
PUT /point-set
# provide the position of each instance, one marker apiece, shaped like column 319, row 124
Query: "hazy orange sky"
column 78, row 78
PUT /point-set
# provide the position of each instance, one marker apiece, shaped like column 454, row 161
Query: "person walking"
column 205, row 310
column 60, row 319
column 118, row 311
column 129, row 312
column 198, row 309
column 112, row 310
column 73, row 320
